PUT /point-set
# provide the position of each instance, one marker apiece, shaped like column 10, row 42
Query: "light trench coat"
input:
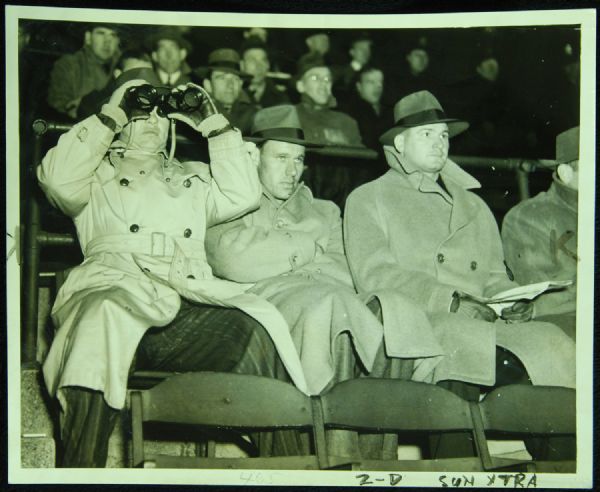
column 141, row 227
column 294, row 252
column 405, row 233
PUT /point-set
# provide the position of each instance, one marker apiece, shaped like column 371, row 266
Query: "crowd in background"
column 518, row 87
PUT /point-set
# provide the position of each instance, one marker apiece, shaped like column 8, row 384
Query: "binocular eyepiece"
column 146, row 97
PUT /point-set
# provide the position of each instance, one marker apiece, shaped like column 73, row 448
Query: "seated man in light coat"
column 141, row 218
column 291, row 247
column 540, row 237
column 419, row 231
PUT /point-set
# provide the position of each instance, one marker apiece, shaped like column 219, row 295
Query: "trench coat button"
column 187, row 233
column 280, row 223
column 134, row 227
column 168, row 180
column 440, row 258
column 473, row 265
column 187, row 183
column 142, row 172
column 191, row 277
column 124, row 182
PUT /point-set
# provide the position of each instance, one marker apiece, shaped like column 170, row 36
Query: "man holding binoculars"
column 145, row 297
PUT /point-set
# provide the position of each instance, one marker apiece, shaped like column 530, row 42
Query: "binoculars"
column 144, row 98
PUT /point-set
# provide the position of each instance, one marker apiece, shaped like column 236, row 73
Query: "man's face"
column 318, row 43
column 148, row 134
column 280, row 168
column 424, row 147
column 418, row 61
column 370, row 86
column 103, row 42
column 489, row 69
column 361, row 51
column 168, row 55
column 569, row 174
column 256, row 63
column 316, row 84
column 225, row 86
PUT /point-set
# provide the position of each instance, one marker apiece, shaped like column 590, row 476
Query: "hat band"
column 276, row 133
column 225, row 64
column 421, row 117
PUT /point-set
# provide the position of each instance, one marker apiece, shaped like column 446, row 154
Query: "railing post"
column 522, row 174
column 31, row 267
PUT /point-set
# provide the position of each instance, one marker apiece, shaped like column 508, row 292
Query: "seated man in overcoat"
column 419, row 231
column 291, row 247
column 141, row 217
column 540, row 237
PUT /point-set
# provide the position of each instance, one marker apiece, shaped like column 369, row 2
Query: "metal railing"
column 36, row 238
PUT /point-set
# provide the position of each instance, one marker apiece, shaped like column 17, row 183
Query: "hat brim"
column 204, row 72
column 455, row 127
column 297, row 141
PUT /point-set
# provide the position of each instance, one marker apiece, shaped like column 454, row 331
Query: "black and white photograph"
column 310, row 249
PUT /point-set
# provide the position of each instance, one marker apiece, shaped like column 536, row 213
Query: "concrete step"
column 35, row 415
column 38, row 452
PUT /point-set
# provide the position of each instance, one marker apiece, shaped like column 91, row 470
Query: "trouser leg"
column 210, row 338
column 86, row 428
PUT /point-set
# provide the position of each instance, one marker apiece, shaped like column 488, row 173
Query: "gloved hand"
column 519, row 312
column 464, row 304
column 123, row 97
column 205, row 107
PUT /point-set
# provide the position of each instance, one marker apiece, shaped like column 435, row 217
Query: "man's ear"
column 565, row 173
column 182, row 53
column 154, row 56
column 399, row 142
column 207, row 85
column 300, row 86
column 87, row 39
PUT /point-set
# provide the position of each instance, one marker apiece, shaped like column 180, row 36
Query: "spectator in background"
column 322, row 125
column 223, row 79
column 416, row 75
column 366, row 107
column 169, row 51
column 540, row 237
column 88, row 69
column 130, row 59
column 255, row 62
column 345, row 75
column 484, row 101
column 318, row 45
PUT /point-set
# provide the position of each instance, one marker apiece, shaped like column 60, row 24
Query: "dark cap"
column 170, row 33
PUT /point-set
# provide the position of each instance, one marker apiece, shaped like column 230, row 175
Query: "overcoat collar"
column 567, row 195
column 457, row 181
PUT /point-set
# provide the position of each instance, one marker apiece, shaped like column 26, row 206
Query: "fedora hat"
column 170, row 33
column 417, row 109
column 279, row 123
column 567, row 146
column 225, row 60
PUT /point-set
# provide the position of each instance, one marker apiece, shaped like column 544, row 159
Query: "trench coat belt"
column 154, row 244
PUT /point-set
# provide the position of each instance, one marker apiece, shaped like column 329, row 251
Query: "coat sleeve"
column 68, row 169
column 63, row 89
column 244, row 252
column 373, row 264
column 234, row 188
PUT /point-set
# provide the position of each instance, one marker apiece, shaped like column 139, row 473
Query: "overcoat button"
column 124, row 182
column 142, row 172
column 187, row 233
column 473, row 265
column 187, row 183
column 134, row 228
column 191, row 277
column 168, row 180
column 440, row 258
